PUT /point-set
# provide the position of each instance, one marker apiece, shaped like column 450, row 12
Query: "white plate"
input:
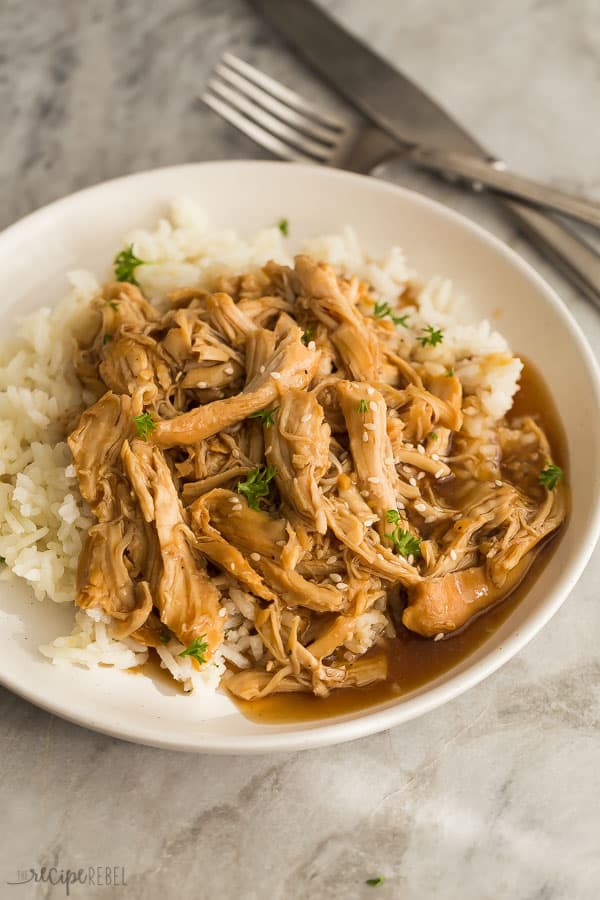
column 84, row 230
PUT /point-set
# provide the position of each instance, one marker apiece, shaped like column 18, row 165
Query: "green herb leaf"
column 381, row 310
column 196, row 650
column 165, row 636
column 113, row 305
column 107, row 339
column 430, row 336
column 404, row 542
column 145, row 425
column 450, row 373
column 126, row 262
column 392, row 516
column 267, row 416
column 433, row 436
column 307, row 336
column 284, row 227
column 550, row 476
column 375, row 882
column 256, row 485
column 363, row 406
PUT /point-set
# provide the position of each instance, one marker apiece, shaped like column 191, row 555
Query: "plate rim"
column 369, row 721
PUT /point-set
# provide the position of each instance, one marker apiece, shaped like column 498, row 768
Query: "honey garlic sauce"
column 412, row 660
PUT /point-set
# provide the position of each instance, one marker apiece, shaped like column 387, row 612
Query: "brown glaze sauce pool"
column 412, row 660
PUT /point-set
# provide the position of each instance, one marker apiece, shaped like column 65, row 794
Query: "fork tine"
column 253, row 131
column 299, row 120
column 283, row 93
column 318, row 151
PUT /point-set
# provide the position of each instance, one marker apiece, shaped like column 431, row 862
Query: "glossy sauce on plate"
column 412, row 660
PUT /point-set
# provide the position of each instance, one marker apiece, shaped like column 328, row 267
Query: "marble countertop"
column 496, row 794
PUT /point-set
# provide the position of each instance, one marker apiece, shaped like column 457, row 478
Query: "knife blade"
column 368, row 82
column 394, row 103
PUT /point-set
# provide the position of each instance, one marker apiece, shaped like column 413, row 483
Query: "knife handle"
column 493, row 175
column 577, row 259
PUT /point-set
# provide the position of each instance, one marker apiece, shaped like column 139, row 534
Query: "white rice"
column 43, row 519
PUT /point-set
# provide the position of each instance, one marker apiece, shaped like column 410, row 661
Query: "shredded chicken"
column 278, row 477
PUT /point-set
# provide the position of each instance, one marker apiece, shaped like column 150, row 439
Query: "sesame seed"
column 342, row 586
column 410, row 560
column 439, row 473
column 335, row 577
column 412, row 481
column 276, row 375
column 232, row 566
column 498, row 483
column 233, row 499
column 435, row 456
column 331, row 560
column 255, row 556
column 306, row 418
column 409, row 446
column 370, row 391
column 429, row 520
column 491, row 553
column 222, row 612
column 228, row 370
column 364, row 493
column 202, row 385
column 365, row 436
column 368, row 522
column 269, row 448
column 269, row 666
column 400, row 504
column 312, row 346
column 373, row 479
column 261, row 370
column 372, row 405
column 420, row 476
column 420, row 507
column 380, row 556
column 470, row 411
column 439, row 636
column 280, row 543
column 420, row 449
column 453, row 555
column 370, row 426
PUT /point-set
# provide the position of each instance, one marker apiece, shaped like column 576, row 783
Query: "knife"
column 403, row 110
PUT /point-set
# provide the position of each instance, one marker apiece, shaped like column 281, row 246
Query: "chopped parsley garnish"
column 363, row 406
column 375, row 882
column 113, row 305
column 256, row 485
column 381, row 310
column 145, row 425
column 404, row 542
column 433, row 436
column 450, row 373
column 284, row 227
column 196, row 650
column 267, row 416
column 307, row 336
column 430, row 336
column 126, row 262
column 550, row 476
column 165, row 636
column 107, row 338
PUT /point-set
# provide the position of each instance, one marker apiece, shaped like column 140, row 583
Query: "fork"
column 283, row 122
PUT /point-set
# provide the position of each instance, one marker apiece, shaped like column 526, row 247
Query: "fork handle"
column 494, row 175
column 571, row 254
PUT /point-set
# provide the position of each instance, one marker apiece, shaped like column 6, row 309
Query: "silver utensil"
column 283, row 122
column 394, row 103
